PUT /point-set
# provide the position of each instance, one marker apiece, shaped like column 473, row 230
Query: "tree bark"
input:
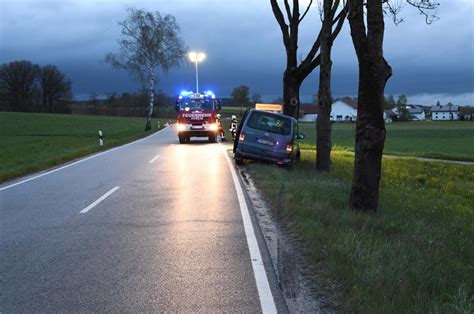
column 323, row 124
column 151, row 100
column 374, row 73
column 291, row 93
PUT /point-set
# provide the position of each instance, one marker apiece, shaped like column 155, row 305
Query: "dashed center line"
column 99, row 200
column 155, row 158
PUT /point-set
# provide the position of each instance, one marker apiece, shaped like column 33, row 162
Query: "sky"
column 243, row 44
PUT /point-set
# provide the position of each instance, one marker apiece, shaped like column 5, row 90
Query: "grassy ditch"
column 435, row 139
column 414, row 255
column 32, row 141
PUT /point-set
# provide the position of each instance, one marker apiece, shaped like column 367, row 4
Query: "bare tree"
column 323, row 124
column 55, row 86
column 19, row 81
column 256, row 98
column 240, row 95
column 295, row 72
column 366, row 20
column 149, row 42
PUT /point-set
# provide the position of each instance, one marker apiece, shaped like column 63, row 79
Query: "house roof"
column 390, row 113
column 349, row 102
column 416, row 110
column 309, row 108
column 445, row 108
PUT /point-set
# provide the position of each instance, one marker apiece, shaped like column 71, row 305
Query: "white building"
column 416, row 113
column 344, row 110
column 446, row 112
column 388, row 116
column 308, row 113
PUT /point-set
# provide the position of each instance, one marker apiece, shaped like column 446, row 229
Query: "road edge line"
column 79, row 161
column 267, row 302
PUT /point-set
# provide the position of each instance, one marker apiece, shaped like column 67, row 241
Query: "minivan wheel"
column 298, row 155
column 238, row 159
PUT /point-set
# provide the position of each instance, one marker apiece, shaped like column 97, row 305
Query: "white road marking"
column 156, row 157
column 264, row 292
column 76, row 162
column 99, row 200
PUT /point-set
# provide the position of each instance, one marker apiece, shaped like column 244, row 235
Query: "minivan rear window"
column 270, row 123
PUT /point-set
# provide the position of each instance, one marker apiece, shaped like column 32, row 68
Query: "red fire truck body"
column 197, row 116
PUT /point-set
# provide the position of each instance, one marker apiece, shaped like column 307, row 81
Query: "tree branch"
column 339, row 20
column 425, row 7
column 306, row 11
column 281, row 21
column 288, row 11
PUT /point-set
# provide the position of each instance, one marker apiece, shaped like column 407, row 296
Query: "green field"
column 227, row 112
column 35, row 141
column 414, row 256
column 435, row 139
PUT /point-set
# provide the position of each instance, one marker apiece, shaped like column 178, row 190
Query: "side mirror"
column 301, row 136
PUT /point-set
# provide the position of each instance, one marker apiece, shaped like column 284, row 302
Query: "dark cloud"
column 243, row 44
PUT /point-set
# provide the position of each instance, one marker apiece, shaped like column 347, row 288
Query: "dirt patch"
column 302, row 284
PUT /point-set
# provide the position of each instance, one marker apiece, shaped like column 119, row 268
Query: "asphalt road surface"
column 148, row 227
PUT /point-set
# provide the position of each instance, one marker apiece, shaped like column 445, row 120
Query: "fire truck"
column 197, row 115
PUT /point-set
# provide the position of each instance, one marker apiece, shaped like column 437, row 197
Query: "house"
column 446, row 112
column 389, row 116
column 308, row 112
column 344, row 110
column 416, row 112
column 411, row 112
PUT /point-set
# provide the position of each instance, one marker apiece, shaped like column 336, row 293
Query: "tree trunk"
column 150, row 104
column 374, row 73
column 323, row 124
column 291, row 94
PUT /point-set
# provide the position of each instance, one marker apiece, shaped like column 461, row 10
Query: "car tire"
column 298, row 155
column 182, row 139
column 212, row 138
column 238, row 159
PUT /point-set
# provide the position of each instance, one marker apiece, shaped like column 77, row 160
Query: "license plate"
column 197, row 127
column 265, row 142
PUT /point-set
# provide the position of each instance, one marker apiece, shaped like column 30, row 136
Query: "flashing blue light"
column 185, row 93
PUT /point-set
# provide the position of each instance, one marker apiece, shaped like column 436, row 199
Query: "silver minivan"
column 268, row 136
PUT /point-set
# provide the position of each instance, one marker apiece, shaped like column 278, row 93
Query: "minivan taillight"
column 241, row 137
column 289, row 148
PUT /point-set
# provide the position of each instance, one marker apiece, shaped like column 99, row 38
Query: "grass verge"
column 37, row 141
column 433, row 139
column 414, row 255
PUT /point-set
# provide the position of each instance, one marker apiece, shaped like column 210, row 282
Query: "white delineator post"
column 101, row 139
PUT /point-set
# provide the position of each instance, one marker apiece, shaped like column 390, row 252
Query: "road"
column 152, row 226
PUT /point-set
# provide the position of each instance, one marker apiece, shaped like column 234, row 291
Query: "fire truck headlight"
column 181, row 127
column 213, row 127
column 186, row 109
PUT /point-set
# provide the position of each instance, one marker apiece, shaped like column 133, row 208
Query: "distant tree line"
column 28, row 87
column 126, row 104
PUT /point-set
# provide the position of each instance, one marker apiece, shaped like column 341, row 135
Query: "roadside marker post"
column 101, row 138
